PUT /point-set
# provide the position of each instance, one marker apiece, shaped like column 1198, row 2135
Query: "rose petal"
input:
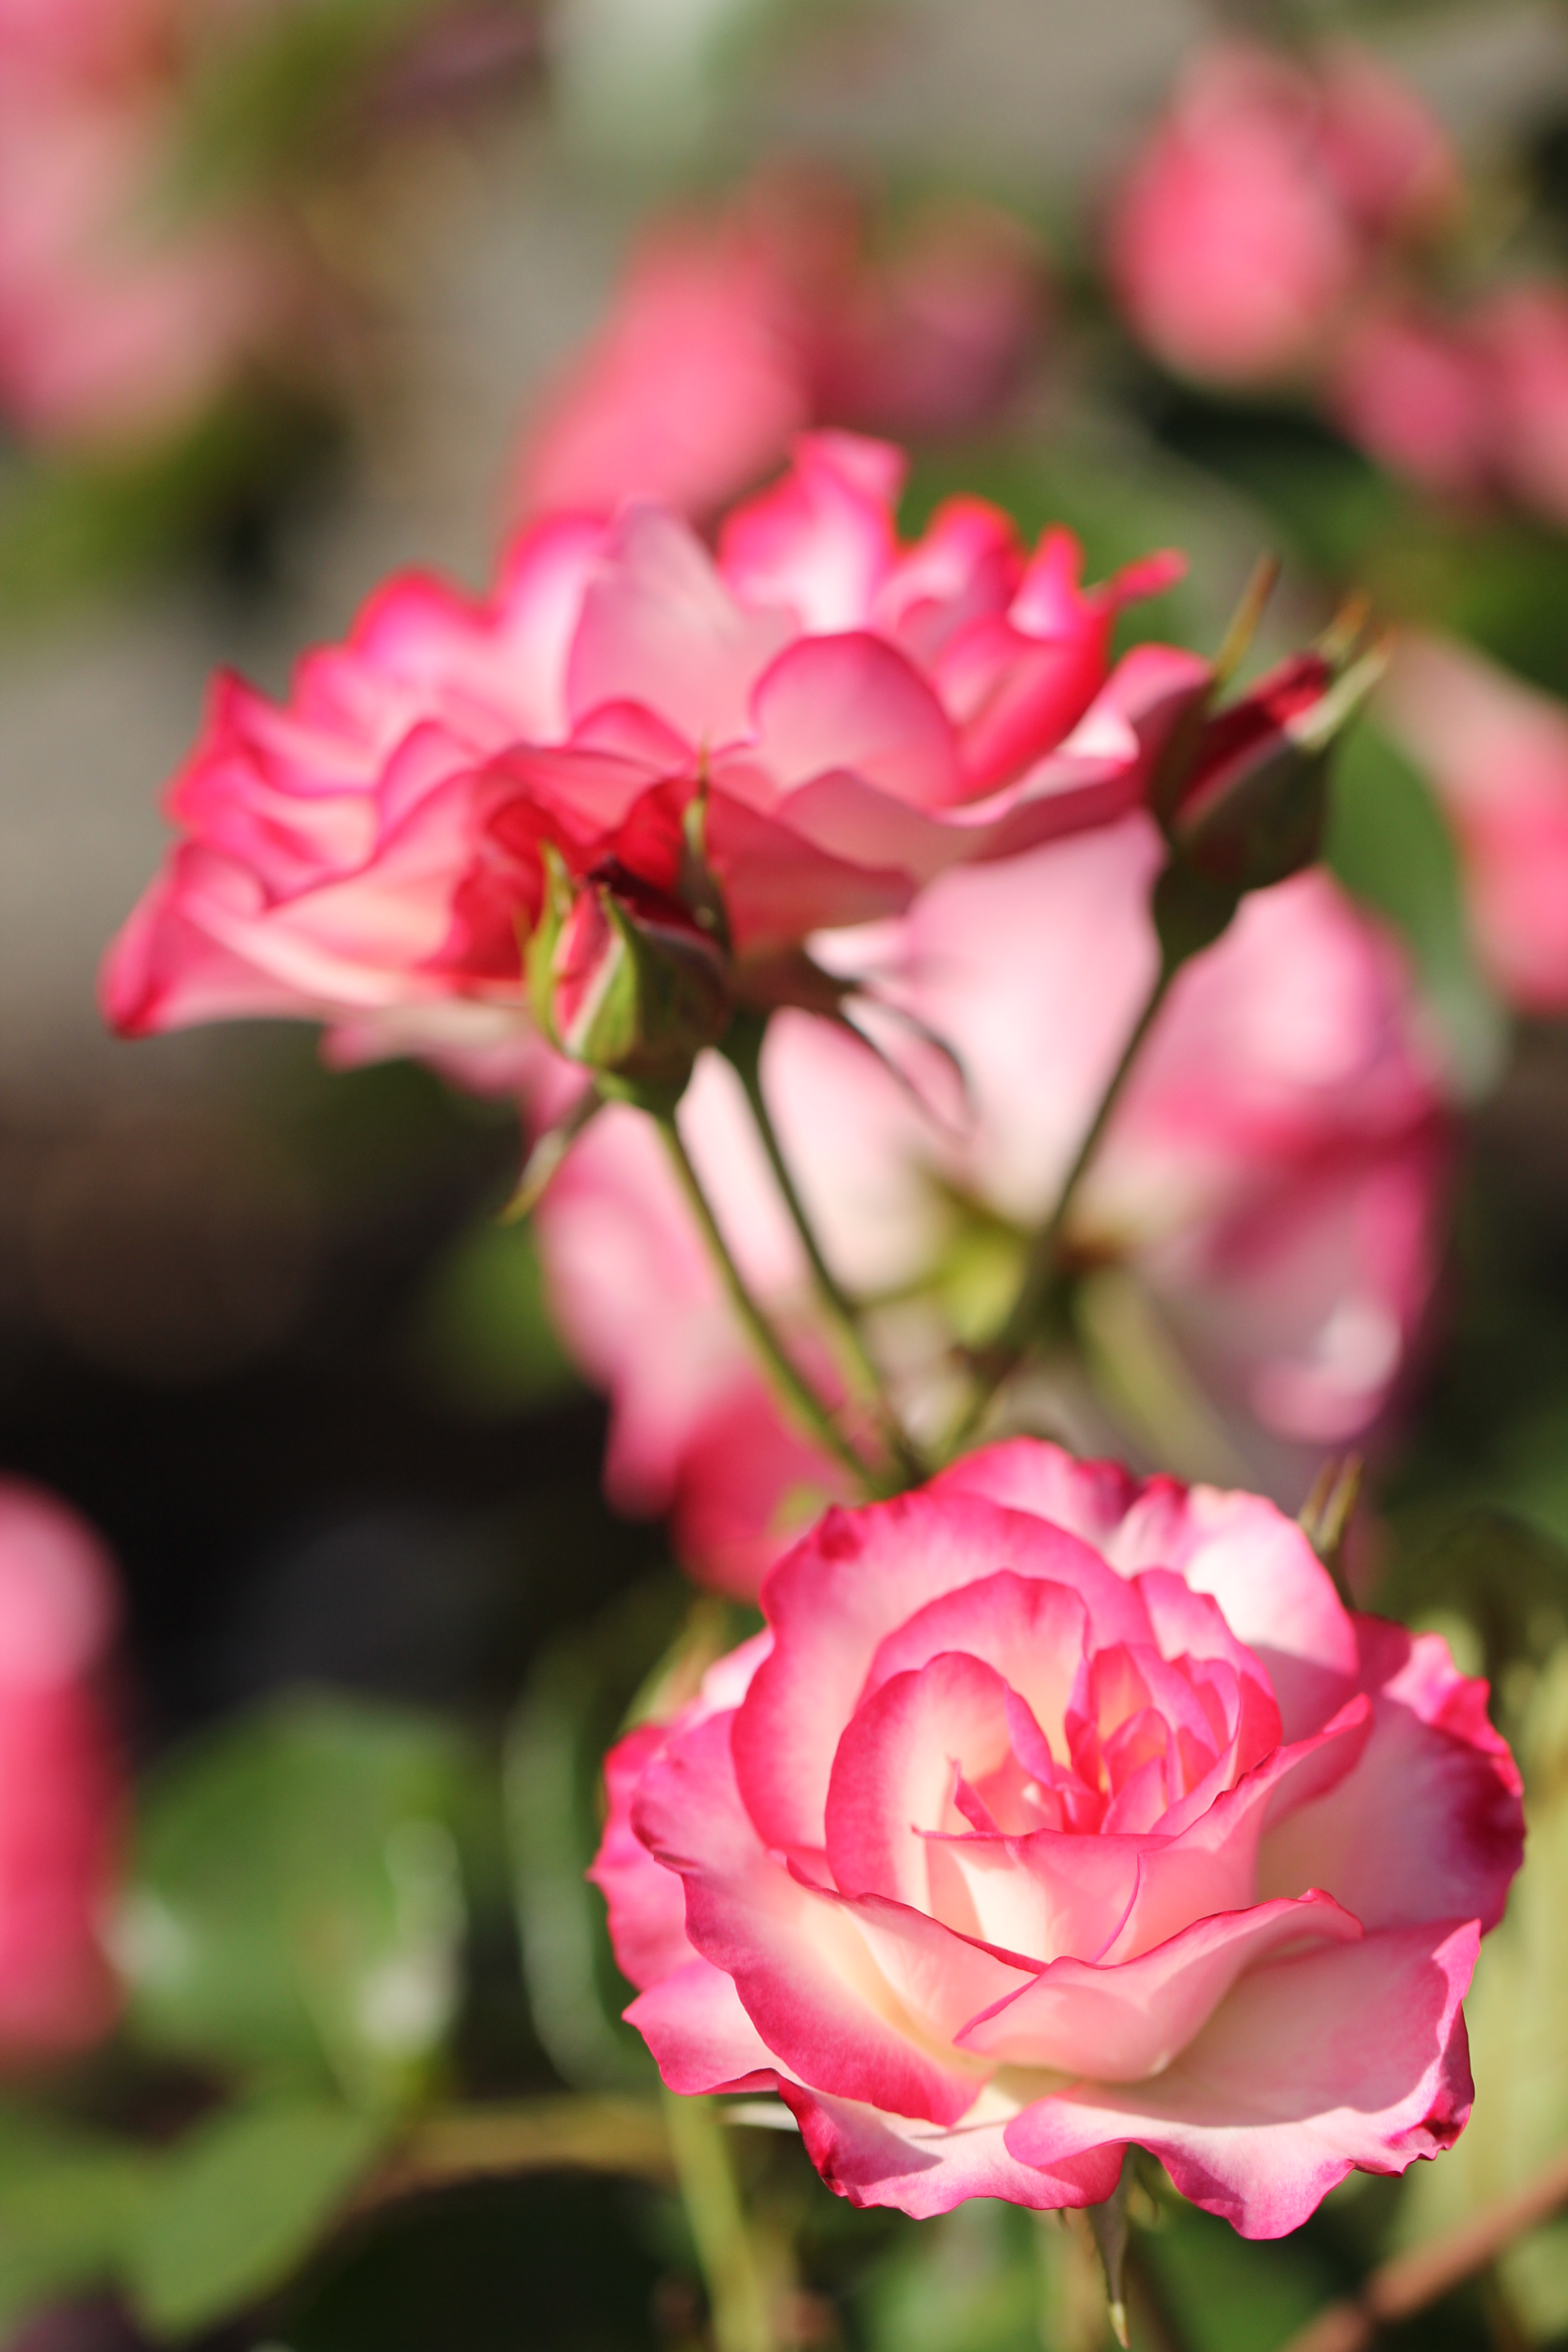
column 1274, row 1592
column 658, row 626
column 874, row 2159
column 701, row 2037
column 1353, row 2056
column 853, row 705
column 821, row 541
column 1121, row 2022
column 805, row 1976
column 840, row 1592
column 894, row 1773
column 1428, row 1825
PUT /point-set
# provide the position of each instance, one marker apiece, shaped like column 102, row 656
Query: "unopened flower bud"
column 1250, row 809
column 625, row 981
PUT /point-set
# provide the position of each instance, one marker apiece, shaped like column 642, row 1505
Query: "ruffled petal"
column 874, row 2159
column 1274, row 1592
column 658, row 626
column 647, row 1902
column 1312, row 2067
column 1428, row 1825
column 1121, row 2022
column 701, row 2037
column 853, row 705
column 821, row 541
column 854, row 1578
column 804, row 1974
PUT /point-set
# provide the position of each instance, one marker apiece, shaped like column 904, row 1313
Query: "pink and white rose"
column 1272, row 1182
column 859, row 714
column 1053, row 1814
column 61, row 1804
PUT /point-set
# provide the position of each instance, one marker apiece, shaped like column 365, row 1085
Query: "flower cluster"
column 1272, row 233
column 912, row 991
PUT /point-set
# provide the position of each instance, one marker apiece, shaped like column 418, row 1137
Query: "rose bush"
column 60, row 1801
column 1273, row 1179
column 1054, row 1814
column 856, row 714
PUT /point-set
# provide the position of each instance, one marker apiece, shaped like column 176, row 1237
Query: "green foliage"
column 296, row 1911
column 70, row 526
column 69, row 2198
column 1518, row 2025
column 483, row 1335
column 239, row 2204
column 1389, row 845
column 278, row 92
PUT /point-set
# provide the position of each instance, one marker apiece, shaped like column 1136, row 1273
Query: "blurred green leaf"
column 70, row 527
column 69, row 2200
column 1389, row 845
column 295, row 1905
column 482, row 1332
column 281, row 88
column 239, row 2205
column 1518, row 2020
column 968, row 2282
column 1230, row 2296
column 573, row 1709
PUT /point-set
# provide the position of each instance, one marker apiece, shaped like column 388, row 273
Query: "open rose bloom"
column 1053, row 1814
column 856, row 714
column 1272, row 1183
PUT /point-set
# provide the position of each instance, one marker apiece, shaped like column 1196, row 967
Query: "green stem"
column 797, row 1392
column 841, row 1309
column 1012, row 1343
column 737, row 2291
column 613, row 2134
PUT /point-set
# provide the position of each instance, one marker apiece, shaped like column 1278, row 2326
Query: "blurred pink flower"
column 60, row 1803
column 727, row 334
column 87, row 40
column 1496, row 753
column 1272, row 1179
column 1262, row 203
column 114, row 326
column 859, row 715
column 1417, row 397
column 1522, row 334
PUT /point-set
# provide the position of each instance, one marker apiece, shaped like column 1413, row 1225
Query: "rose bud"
column 625, row 981
column 1245, row 808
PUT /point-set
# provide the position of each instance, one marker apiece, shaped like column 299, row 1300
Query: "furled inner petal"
column 1030, row 1630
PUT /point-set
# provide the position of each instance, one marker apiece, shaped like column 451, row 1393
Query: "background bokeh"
column 257, row 1322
